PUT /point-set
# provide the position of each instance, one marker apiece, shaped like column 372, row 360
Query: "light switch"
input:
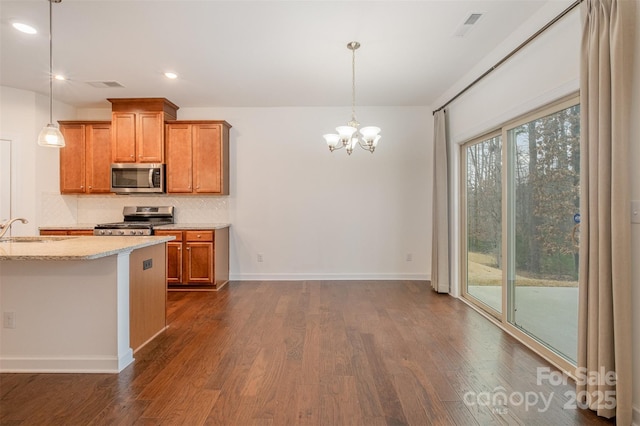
column 635, row 211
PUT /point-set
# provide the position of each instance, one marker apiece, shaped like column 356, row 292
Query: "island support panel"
column 70, row 315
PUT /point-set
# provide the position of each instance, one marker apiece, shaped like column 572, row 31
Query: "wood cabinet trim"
column 145, row 105
column 222, row 122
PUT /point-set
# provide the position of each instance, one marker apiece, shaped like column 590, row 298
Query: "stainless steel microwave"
column 127, row 178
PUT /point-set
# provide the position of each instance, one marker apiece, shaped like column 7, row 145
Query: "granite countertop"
column 77, row 226
column 203, row 226
column 73, row 247
column 90, row 226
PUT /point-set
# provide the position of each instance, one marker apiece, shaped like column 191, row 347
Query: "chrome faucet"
column 4, row 227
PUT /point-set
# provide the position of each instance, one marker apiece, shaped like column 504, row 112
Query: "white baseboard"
column 65, row 365
column 326, row 277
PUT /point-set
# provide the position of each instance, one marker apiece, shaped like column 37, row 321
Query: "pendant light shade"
column 50, row 136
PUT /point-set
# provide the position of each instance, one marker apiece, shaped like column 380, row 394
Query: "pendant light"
column 50, row 135
column 348, row 136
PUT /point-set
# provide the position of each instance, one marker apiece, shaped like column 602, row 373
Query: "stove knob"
column 109, row 233
column 101, row 232
column 121, row 232
column 140, row 232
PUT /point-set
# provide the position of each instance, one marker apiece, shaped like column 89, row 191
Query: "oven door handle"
column 151, row 178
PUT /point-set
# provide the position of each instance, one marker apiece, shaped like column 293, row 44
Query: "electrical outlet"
column 9, row 320
column 259, row 258
column 409, row 257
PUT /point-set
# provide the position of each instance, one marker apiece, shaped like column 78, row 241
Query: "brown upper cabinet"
column 138, row 129
column 85, row 160
column 197, row 157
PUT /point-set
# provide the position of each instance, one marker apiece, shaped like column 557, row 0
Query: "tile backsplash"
column 86, row 209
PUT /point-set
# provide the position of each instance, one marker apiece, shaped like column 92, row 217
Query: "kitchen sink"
column 45, row 239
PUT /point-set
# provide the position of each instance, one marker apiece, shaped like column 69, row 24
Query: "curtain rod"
column 513, row 52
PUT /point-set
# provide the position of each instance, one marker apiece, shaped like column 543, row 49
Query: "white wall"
column 22, row 115
column 310, row 213
column 544, row 71
column 313, row 214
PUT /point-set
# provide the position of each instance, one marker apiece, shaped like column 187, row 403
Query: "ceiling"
column 252, row 53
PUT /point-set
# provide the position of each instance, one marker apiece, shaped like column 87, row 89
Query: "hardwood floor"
column 308, row 353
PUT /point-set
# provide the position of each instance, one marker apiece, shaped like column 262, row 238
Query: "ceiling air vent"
column 468, row 23
column 104, row 84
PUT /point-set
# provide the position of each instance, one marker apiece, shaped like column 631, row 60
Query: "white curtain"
column 604, row 317
column 440, row 207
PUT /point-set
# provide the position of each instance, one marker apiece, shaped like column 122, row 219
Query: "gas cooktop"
column 137, row 221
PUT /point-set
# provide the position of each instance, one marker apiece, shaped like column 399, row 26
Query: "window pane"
column 484, row 222
column 544, row 179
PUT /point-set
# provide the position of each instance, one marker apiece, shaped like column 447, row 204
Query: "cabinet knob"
column 90, row 187
column 198, row 235
column 81, row 186
column 179, row 248
column 188, row 248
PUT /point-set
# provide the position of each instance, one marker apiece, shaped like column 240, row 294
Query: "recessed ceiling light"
column 171, row 75
column 59, row 77
column 27, row 29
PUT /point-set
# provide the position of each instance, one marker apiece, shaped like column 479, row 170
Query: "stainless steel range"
column 138, row 220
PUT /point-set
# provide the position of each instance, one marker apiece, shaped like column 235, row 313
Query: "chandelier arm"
column 337, row 147
column 365, row 145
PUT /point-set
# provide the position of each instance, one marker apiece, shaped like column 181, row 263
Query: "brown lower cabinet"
column 197, row 259
column 84, row 232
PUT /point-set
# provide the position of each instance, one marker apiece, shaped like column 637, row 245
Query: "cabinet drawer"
column 177, row 234
column 199, row 235
column 53, row 232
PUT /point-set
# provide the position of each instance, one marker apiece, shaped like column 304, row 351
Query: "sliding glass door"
column 543, row 216
column 521, row 225
column 484, row 222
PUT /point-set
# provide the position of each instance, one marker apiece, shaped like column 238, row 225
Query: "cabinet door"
column 174, row 256
column 179, row 158
column 174, row 262
column 207, row 158
column 98, row 158
column 150, row 137
column 72, row 159
column 123, row 137
column 199, row 262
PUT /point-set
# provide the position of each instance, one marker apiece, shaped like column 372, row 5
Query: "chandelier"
column 50, row 136
column 348, row 136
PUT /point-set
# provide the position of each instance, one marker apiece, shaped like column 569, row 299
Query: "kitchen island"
column 80, row 304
